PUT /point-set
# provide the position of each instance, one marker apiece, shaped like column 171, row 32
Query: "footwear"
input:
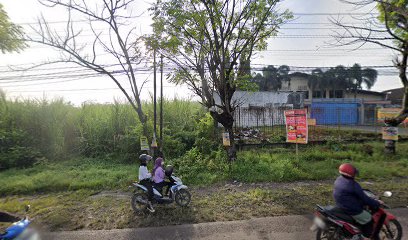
column 150, row 207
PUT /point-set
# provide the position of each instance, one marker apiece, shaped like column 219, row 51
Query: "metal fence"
column 256, row 124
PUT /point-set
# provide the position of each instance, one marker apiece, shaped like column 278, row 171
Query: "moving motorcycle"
column 20, row 230
column 178, row 193
column 332, row 223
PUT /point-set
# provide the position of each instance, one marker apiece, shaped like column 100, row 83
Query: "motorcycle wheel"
column 183, row 198
column 139, row 202
column 392, row 231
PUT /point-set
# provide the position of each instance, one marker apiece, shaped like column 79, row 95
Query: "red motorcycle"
column 332, row 223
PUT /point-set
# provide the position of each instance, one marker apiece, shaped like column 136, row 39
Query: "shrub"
column 15, row 151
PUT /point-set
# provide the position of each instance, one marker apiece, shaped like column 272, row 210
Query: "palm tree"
column 316, row 79
column 358, row 77
column 272, row 78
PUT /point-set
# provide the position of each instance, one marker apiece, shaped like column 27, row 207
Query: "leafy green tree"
column 10, row 34
column 210, row 42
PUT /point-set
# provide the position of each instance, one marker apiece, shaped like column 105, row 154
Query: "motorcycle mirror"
column 387, row 194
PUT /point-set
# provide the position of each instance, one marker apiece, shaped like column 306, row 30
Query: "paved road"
column 279, row 228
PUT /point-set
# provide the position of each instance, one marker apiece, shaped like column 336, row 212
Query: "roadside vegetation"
column 63, row 159
column 317, row 162
column 51, row 146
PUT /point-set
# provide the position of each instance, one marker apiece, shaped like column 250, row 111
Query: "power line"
column 334, row 14
column 82, row 89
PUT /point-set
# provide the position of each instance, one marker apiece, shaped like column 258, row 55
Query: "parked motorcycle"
column 332, row 223
column 178, row 193
column 20, row 230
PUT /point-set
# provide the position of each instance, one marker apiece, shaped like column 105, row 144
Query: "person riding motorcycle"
column 159, row 175
column 351, row 199
column 145, row 179
column 6, row 217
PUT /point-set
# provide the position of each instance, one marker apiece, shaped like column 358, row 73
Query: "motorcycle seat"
column 339, row 213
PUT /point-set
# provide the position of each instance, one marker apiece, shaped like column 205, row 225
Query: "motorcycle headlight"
column 319, row 223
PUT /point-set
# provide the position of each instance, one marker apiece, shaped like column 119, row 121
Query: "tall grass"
column 60, row 130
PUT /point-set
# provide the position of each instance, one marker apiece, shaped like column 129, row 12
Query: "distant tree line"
column 339, row 77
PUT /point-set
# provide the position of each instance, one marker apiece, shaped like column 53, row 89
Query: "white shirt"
column 144, row 173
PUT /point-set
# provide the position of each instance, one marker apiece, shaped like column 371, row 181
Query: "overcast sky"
column 304, row 42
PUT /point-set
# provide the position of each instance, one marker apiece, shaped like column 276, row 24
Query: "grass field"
column 262, row 165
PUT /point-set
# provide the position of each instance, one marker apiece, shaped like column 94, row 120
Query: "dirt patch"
column 113, row 194
column 222, row 202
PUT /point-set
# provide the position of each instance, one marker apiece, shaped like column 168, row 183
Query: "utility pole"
column 161, row 104
column 154, row 141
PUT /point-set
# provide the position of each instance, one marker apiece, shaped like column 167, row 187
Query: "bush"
column 15, row 151
column 206, row 138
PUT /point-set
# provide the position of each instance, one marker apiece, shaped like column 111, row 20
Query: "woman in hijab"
column 159, row 175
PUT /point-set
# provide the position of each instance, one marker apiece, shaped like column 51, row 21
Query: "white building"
column 259, row 108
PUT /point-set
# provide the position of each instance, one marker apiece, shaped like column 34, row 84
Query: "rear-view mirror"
column 387, row 194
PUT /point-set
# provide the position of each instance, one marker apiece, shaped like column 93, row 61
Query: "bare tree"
column 386, row 26
column 210, row 43
column 108, row 21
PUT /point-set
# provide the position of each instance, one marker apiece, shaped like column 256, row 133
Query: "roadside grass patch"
column 68, row 175
column 317, row 162
column 85, row 209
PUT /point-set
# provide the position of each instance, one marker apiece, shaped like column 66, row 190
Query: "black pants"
column 148, row 184
column 367, row 229
column 7, row 217
column 159, row 186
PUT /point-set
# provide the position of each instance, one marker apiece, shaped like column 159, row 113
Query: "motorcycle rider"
column 159, row 175
column 6, row 217
column 351, row 199
column 145, row 179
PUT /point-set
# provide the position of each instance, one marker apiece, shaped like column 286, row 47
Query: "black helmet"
column 144, row 158
column 169, row 170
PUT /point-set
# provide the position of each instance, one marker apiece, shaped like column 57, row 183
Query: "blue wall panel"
column 335, row 113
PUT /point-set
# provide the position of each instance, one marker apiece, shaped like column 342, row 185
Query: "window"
column 305, row 94
column 319, row 94
column 336, row 93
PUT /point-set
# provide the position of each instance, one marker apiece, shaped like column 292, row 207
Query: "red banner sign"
column 296, row 126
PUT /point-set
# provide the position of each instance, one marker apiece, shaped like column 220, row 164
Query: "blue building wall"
column 335, row 113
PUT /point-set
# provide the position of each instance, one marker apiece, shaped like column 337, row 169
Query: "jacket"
column 349, row 196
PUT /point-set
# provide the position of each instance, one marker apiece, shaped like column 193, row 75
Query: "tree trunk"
column 227, row 120
column 389, row 146
column 232, row 150
column 394, row 122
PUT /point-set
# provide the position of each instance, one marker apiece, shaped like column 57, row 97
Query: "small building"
column 395, row 95
column 299, row 82
column 336, row 106
column 256, row 109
